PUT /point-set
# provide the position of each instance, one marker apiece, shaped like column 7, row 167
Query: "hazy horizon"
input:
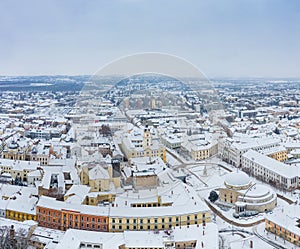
column 223, row 39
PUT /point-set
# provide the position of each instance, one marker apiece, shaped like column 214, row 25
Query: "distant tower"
column 126, row 103
column 139, row 103
column 153, row 104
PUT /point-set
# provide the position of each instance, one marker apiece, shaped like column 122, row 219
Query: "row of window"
column 20, row 216
column 156, row 220
column 141, row 227
column 260, row 170
column 148, row 227
column 53, row 224
column 76, row 218
column 145, row 205
column 56, row 219
column 283, row 231
column 89, row 245
column 153, row 153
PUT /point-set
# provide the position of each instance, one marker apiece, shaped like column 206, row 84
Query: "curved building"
column 240, row 193
column 177, row 206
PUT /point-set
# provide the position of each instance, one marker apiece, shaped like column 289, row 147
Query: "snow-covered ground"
column 172, row 161
column 183, row 159
column 214, row 175
column 238, row 239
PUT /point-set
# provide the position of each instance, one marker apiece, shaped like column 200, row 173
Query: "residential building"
column 231, row 150
column 267, row 169
column 200, row 147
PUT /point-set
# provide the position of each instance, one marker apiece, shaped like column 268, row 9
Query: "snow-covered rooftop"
column 288, row 171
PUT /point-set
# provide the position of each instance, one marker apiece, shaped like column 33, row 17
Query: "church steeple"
column 147, row 139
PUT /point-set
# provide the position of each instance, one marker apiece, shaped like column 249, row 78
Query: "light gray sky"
column 223, row 38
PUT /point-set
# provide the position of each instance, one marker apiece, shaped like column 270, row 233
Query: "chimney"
column 12, row 233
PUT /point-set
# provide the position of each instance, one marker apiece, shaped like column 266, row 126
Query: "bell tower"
column 147, row 139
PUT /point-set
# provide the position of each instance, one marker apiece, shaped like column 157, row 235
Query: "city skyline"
column 222, row 39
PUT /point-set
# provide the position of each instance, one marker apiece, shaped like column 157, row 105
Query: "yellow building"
column 175, row 206
column 200, row 150
column 94, row 198
column 141, row 144
column 18, row 169
column 40, row 154
column 241, row 193
column 98, row 177
column 14, row 152
column 22, row 207
column 84, row 175
column 152, row 220
column 153, row 103
column 20, row 216
column 279, row 156
column 80, row 194
column 278, row 153
column 285, row 223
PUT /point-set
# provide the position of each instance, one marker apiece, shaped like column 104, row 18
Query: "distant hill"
column 54, row 83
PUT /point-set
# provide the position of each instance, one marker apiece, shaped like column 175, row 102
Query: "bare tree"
column 11, row 239
column 105, row 130
column 5, row 242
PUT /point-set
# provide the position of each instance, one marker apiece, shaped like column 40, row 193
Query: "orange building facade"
column 63, row 218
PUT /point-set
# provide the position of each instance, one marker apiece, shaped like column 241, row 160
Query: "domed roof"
column 237, row 179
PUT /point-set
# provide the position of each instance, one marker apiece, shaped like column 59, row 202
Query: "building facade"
column 270, row 170
column 285, row 223
column 60, row 215
column 18, row 169
column 140, row 144
column 240, row 192
column 231, row 151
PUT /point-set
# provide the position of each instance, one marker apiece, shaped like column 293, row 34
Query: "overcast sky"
column 223, row 38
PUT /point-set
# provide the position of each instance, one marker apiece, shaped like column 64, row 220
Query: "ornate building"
column 240, row 192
